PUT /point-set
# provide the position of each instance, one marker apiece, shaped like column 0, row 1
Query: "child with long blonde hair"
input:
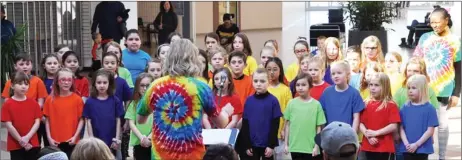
column 332, row 52
column 371, row 49
column 379, row 120
column 419, row 120
column 393, row 62
column 414, row 66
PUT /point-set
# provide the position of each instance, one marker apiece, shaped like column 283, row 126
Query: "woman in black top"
column 166, row 21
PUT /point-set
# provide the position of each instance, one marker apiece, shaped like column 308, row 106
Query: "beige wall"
column 261, row 15
column 260, row 21
column 204, row 21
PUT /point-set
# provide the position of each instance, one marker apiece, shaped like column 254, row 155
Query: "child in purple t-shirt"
column 260, row 121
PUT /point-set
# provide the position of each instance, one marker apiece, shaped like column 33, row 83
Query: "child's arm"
column 32, row 131
column 116, row 138
column 89, row 127
column 362, row 128
column 48, row 130
column 77, row 132
column 14, row 133
column 233, row 122
column 383, row 131
column 135, row 130
column 355, row 122
column 273, row 135
column 205, row 122
column 425, row 136
column 286, row 135
column 40, row 101
column 403, row 136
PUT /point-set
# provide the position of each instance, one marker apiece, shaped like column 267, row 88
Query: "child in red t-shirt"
column 379, row 120
column 224, row 95
column 81, row 84
column 22, row 118
column 314, row 67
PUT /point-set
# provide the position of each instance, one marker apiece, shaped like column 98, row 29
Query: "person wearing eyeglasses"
column 371, row 51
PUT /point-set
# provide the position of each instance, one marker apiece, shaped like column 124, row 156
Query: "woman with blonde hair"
column 92, row 149
column 371, row 49
column 184, row 98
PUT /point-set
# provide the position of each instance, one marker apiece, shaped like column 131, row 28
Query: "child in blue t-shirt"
column 341, row 102
column 418, row 121
column 260, row 122
column 135, row 59
column 103, row 110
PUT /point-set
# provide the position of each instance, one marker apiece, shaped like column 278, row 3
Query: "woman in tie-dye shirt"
column 441, row 52
column 177, row 102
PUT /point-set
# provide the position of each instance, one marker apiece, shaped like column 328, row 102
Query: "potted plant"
column 367, row 18
column 10, row 49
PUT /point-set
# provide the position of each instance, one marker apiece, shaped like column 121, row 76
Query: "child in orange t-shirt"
column 81, row 84
column 242, row 82
column 22, row 118
column 37, row 90
column 63, row 112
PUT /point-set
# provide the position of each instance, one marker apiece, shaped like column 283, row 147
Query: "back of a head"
column 220, row 152
column 339, row 141
column 182, row 59
column 52, row 153
column 92, row 149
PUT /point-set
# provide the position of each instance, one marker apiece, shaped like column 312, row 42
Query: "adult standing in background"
column 441, row 50
column 227, row 30
column 110, row 17
column 8, row 29
column 166, row 21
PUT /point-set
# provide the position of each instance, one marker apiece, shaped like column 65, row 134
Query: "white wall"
column 455, row 12
column 132, row 21
column 293, row 25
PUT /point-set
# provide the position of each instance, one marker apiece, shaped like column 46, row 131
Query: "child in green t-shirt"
column 140, row 135
column 304, row 117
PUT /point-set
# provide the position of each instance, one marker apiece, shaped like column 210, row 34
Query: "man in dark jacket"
column 227, row 30
column 8, row 29
column 109, row 18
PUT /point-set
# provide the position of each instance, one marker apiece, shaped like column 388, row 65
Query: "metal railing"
column 49, row 23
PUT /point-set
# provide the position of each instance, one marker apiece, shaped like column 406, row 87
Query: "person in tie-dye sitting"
column 177, row 102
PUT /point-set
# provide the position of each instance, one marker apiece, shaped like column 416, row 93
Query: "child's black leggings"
column 22, row 154
column 379, row 156
column 304, row 156
column 415, row 156
column 258, row 153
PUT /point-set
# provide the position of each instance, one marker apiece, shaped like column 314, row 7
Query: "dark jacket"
column 105, row 18
column 169, row 21
column 227, row 34
column 8, row 30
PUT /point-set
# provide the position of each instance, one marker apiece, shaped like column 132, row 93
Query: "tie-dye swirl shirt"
column 439, row 54
column 177, row 104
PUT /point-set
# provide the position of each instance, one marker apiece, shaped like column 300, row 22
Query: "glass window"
column 227, row 7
